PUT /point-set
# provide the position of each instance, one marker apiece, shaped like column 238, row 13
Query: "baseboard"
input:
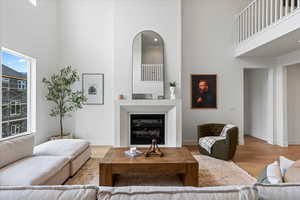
column 189, row 142
column 100, row 143
column 294, row 142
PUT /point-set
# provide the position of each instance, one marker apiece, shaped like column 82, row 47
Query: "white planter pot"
column 172, row 90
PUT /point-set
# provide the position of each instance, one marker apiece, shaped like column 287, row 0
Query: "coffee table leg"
column 106, row 176
column 190, row 178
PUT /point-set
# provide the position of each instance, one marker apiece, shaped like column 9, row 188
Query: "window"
column 15, row 108
column 18, row 93
column 22, row 84
column 15, row 129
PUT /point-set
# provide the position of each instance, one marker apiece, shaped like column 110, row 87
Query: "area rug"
column 212, row 172
column 215, row 172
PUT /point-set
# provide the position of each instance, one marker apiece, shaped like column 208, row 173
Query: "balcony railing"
column 261, row 14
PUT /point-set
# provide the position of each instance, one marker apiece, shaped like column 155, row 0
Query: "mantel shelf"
column 163, row 102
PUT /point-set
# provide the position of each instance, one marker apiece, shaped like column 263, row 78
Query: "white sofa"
column 20, row 166
column 251, row 192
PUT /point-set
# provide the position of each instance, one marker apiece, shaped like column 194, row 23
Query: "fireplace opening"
column 145, row 127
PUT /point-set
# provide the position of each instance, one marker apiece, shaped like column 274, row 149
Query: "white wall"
column 293, row 104
column 134, row 16
column 256, row 94
column 208, row 48
column 96, row 36
column 283, row 61
column 33, row 31
column 86, row 42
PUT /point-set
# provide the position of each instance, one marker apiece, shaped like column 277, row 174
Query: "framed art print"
column 93, row 88
column 203, row 91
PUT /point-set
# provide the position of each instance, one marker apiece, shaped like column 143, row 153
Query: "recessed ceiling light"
column 33, row 2
column 155, row 40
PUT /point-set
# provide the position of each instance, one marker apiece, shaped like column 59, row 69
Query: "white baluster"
column 245, row 25
column 292, row 5
column 255, row 17
column 238, row 29
column 263, row 13
column 267, row 13
column 242, row 26
column 249, row 21
column 286, row 7
column 298, row 3
column 271, row 12
column 281, row 9
column 259, row 14
column 252, row 19
column 276, row 10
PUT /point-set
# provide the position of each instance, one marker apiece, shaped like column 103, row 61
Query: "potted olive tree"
column 64, row 98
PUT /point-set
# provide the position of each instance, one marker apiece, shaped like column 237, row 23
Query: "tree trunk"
column 61, row 126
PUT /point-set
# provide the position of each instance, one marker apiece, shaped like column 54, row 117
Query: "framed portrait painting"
column 93, row 88
column 203, row 91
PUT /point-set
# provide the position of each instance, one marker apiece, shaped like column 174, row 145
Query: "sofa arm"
column 232, row 136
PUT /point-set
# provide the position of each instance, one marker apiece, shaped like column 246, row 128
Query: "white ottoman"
column 76, row 150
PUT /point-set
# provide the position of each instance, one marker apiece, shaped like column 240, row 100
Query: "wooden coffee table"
column 175, row 160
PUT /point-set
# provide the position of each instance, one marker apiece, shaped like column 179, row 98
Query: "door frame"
column 271, row 103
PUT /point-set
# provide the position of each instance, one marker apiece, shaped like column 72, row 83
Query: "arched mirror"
column 148, row 66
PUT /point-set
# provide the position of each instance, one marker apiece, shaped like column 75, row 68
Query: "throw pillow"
column 292, row 174
column 285, row 163
column 262, row 178
column 273, row 173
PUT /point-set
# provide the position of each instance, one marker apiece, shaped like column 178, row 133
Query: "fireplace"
column 145, row 127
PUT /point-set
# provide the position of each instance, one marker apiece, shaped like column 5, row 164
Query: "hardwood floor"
column 256, row 154
column 252, row 157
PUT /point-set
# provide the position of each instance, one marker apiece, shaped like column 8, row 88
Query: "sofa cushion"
column 177, row 193
column 286, row 191
column 49, row 193
column 15, row 148
column 33, row 170
column 66, row 147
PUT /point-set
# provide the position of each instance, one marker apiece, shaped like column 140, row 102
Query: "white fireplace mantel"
column 172, row 109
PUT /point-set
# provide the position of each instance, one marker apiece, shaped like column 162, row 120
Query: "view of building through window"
column 14, row 94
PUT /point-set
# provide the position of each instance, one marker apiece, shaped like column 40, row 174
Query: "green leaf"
column 61, row 94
